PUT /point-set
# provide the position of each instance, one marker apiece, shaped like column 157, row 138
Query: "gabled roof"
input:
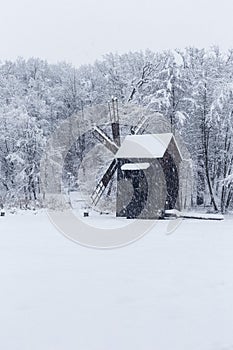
column 145, row 146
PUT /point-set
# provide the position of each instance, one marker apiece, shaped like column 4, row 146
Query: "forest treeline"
column 192, row 88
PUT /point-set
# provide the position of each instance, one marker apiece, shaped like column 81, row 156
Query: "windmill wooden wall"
column 147, row 193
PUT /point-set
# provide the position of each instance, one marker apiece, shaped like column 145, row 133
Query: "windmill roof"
column 145, row 146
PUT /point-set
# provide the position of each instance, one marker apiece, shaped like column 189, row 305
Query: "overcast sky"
column 80, row 31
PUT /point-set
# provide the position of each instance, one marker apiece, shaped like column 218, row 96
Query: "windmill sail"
column 142, row 124
column 103, row 138
column 116, row 133
column 114, row 116
column 100, row 188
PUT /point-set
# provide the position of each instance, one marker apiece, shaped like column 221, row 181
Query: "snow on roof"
column 135, row 166
column 144, row 146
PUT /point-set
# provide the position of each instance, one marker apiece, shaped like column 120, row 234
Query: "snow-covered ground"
column 162, row 292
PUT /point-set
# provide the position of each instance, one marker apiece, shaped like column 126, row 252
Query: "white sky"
column 80, row 31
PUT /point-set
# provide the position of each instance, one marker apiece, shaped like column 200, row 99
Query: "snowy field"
column 163, row 292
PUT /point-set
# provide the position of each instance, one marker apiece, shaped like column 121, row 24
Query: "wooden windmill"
column 147, row 167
